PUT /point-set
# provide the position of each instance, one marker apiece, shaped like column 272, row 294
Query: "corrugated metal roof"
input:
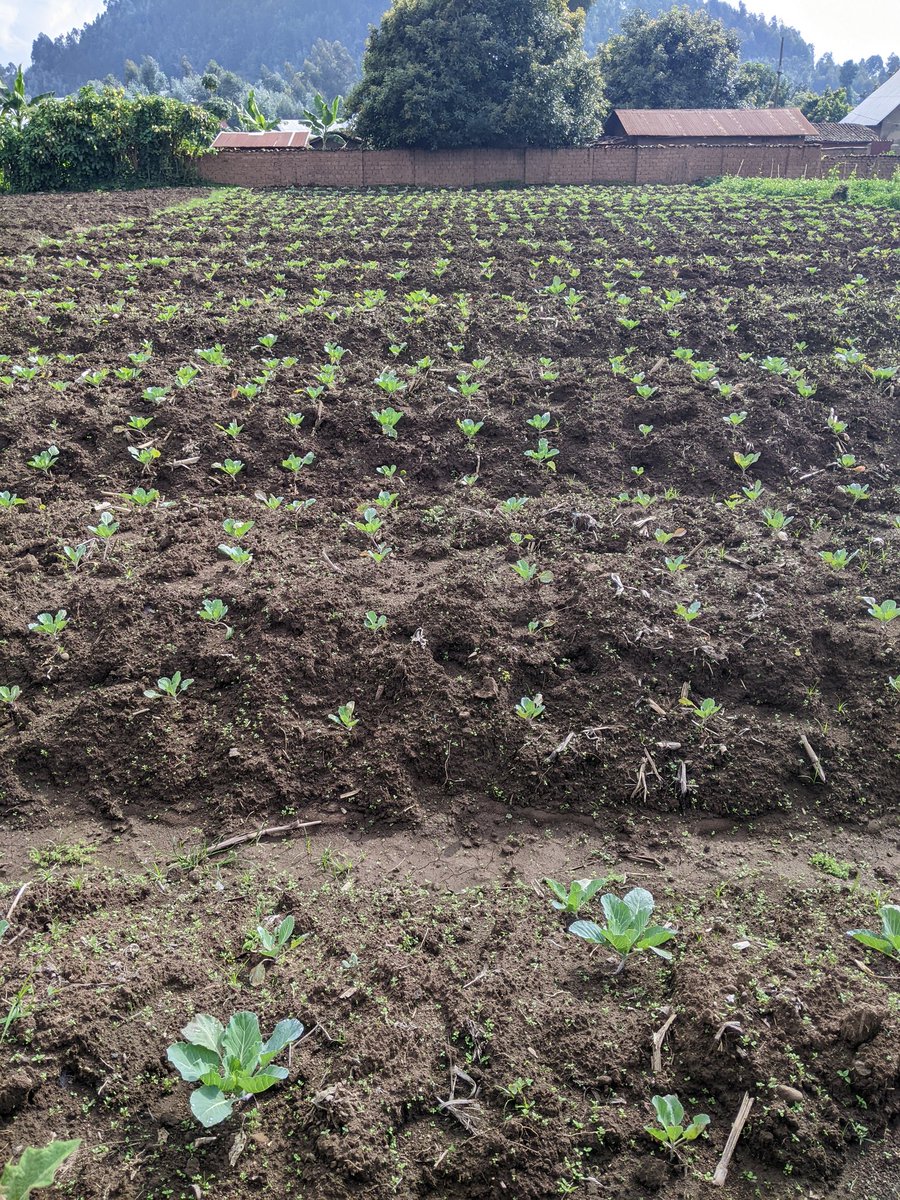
column 261, row 141
column 714, row 122
column 874, row 109
column 840, row 131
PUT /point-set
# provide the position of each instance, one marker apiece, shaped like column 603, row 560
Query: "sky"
column 848, row 28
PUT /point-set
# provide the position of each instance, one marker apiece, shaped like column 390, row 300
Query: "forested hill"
column 245, row 38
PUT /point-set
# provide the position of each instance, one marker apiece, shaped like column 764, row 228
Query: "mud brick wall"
column 471, row 168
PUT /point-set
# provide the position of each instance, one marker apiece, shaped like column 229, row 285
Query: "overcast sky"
column 848, row 30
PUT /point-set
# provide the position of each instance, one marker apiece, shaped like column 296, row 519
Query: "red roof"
column 261, row 141
column 713, row 122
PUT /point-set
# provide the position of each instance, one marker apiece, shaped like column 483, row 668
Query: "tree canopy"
column 450, row 73
column 680, row 59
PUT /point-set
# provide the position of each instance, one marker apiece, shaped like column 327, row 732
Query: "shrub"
column 102, row 139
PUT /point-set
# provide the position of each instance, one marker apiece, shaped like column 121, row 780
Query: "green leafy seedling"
column 530, row 708
column 36, row 1168
column 173, row 687
column 888, row 941
column 49, row 625
column 628, row 927
column 270, row 943
column 670, row 1115
column 231, row 1062
column 344, row 716
column 572, row 899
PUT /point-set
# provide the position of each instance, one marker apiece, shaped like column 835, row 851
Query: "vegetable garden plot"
column 409, row 506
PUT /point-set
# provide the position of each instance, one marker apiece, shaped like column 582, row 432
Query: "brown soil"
column 443, row 809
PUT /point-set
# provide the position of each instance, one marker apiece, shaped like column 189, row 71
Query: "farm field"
column 477, row 538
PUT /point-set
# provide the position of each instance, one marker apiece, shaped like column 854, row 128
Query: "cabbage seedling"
column 387, row 418
column 139, row 423
column 670, row 1114
column 690, row 612
column 237, row 529
column 36, row 1168
column 888, row 941
column 735, row 418
column 676, row 564
column 146, row 455
column 106, row 528
column 856, row 491
column 294, row 419
column 775, row 519
column 579, row 892
column 543, row 456
column 44, row 461
column 379, row 552
column 294, row 463
column 238, row 555
column 232, row 1062
column 539, row 420
column 704, row 710
column 142, row 497
column 173, row 687
column 270, row 943
column 371, row 522
column 530, row 708
column 50, row 626
column 271, row 502
column 10, row 500
column 344, row 716
column 231, row 467
column 375, row 622
column 755, row 491
column 837, row 559
column 9, row 695
column 232, row 429
column 469, row 428
column 75, row 555
column 886, row 611
column 628, row 927
column 745, row 460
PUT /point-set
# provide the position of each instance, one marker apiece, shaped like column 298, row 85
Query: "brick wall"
column 469, row 168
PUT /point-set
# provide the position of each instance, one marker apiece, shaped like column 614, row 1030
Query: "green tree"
column 449, row 73
column 831, row 105
column 680, row 59
column 754, row 84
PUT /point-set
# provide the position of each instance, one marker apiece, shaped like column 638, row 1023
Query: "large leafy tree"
column 680, row 59
column 451, row 73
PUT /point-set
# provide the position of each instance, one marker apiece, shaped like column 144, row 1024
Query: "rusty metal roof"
column 713, row 122
column 262, row 141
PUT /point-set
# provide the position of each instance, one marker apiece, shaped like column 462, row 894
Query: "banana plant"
column 252, row 118
column 15, row 107
column 324, row 119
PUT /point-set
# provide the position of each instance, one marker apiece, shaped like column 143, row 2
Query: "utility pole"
column 774, row 101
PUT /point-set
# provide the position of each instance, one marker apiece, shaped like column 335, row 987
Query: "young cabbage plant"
column 271, row 943
column 670, row 1115
column 571, row 900
column 375, row 622
column 36, row 1168
column 530, row 708
column 50, row 625
column 10, row 694
column 344, row 716
column 888, row 941
column 886, row 611
column 45, row 460
column 173, row 687
column 231, row 1062
column 628, row 927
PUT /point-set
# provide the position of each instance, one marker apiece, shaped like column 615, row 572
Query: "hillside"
column 246, row 39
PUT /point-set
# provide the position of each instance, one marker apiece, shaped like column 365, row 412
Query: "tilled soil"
column 471, row 1048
